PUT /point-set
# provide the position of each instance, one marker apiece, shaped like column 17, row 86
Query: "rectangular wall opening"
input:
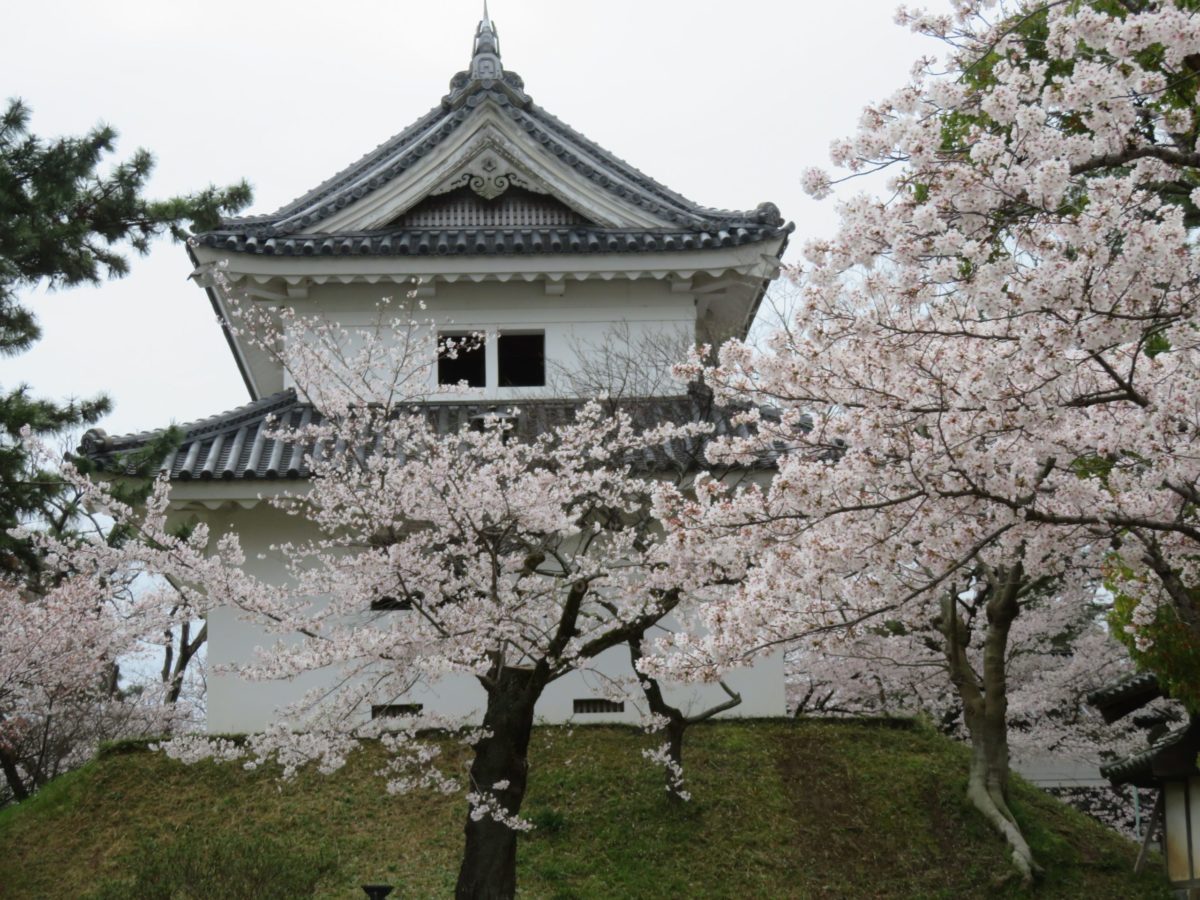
column 392, row 604
column 395, row 710
column 522, row 359
column 463, row 360
column 590, row 706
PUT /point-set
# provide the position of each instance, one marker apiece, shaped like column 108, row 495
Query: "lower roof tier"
column 240, row 445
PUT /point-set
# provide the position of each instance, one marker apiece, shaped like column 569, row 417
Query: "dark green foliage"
column 25, row 490
column 64, row 222
column 1174, row 654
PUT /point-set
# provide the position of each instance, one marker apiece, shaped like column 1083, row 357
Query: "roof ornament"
column 485, row 56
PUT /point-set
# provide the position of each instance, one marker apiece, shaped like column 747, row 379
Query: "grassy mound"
column 780, row 809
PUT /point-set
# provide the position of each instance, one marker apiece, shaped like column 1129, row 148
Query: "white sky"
column 724, row 102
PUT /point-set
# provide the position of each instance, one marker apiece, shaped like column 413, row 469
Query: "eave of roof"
column 1126, row 695
column 211, row 293
column 1171, row 756
column 239, row 444
column 490, row 241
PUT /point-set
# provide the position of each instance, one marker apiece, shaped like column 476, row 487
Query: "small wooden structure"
column 1167, row 765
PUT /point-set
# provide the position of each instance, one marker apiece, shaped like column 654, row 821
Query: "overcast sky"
column 725, row 102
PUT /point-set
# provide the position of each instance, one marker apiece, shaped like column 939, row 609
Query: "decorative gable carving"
column 489, row 158
column 489, row 173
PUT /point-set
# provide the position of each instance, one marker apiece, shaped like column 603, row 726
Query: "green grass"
column 780, row 809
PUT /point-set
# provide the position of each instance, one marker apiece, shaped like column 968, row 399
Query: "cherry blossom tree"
column 55, row 650
column 1057, row 654
column 65, row 679
column 989, row 387
column 110, row 592
column 509, row 554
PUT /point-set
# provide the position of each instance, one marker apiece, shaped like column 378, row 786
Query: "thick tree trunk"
column 489, row 866
column 987, row 789
column 984, row 697
column 12, row 775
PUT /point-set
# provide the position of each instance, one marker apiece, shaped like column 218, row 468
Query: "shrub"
column 224, row 867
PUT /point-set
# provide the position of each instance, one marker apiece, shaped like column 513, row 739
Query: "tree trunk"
column 674, row 732
column 677, row 722
column 188, row 648
column 8, row 764
column 984, row 697
column 489, row 866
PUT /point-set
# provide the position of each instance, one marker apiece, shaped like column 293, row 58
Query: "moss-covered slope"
column 781, row 809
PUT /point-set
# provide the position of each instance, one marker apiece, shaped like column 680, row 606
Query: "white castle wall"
column 577, row 324
column 236, row 705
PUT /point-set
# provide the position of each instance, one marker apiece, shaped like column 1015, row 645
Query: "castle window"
column 465, row 360
column 391, row 604
column 591, row 706
column 395, row 710
column 522, row 359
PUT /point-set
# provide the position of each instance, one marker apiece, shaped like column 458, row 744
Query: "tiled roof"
column 486, row 241
column 1174, row 754
column 1124, row 696
column 295, row 228
column 236, row 445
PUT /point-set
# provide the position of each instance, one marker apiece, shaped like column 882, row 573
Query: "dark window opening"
column 464, row 360
column 395, row 710
column 522, row 360
column 583, row 707
column 391, row 604
column 493, row 419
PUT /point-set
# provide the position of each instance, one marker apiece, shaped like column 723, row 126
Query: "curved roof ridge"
column 485, row 82
column 257, row 451
column 497, row 240
column 97, row 441
column 608, row 156
column 356, row 170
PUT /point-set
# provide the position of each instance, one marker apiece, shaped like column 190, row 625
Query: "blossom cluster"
column 997, row 361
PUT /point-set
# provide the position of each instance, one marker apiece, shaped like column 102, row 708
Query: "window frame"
column 519, row 332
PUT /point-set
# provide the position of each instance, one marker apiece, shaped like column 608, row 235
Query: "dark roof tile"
column 1126, row 695
column 238, row 444
column 1171, row 756
column 301, row 217
column 490, row 241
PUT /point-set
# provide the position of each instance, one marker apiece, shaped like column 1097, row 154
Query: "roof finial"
column 485, row 57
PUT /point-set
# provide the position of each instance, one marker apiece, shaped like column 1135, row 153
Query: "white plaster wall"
column 236, row 705
column 580, row 321
column 1048, row 771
